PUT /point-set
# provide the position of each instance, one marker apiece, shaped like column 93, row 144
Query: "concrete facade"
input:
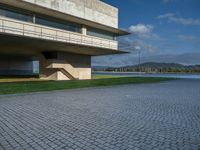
column 66, row 67
column 93, row 10
column 11, row 26
column 55, row 34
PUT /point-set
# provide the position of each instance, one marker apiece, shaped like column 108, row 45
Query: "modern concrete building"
column 62, row 34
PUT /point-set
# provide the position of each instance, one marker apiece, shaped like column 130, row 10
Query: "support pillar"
column 84, row 30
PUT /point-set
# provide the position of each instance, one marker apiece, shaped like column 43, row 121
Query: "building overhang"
column 12, row 44
column 57, row 14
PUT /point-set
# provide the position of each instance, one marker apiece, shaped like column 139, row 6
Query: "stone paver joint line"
column 162, row 116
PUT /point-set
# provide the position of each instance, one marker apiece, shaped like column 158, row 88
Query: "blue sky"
column 163, row 30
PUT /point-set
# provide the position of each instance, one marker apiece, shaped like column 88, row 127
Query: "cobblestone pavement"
column 161, row 116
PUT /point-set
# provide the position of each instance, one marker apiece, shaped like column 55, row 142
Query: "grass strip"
column 37, row 86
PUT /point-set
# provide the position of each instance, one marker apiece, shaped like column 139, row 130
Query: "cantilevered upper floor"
column 61, row 34
column 87, row 23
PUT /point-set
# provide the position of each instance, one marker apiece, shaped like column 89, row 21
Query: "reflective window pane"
column 101, row 34
column 40, row 20
column 55, row 24
column 15, row 15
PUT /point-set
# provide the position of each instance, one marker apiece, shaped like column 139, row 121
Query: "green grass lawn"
column 36, row 86
column 105, row 76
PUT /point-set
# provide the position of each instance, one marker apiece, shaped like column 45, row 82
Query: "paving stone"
column 130, row 117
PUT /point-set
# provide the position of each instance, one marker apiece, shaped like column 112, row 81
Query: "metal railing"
column 38, row 31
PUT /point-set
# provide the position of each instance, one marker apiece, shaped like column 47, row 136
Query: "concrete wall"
column 77, row 66
column 93, row 10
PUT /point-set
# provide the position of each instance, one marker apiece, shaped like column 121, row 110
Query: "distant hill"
column 153, row 67
column 159, row 65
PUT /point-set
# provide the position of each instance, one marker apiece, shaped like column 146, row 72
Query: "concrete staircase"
column 67, row 69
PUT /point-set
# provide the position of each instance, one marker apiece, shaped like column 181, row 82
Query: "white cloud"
column 125, row 60
column 141, row 29
column 186, row 21
column 189, row 38
column 132, row 44
column 167, row 15
column 142, row 38
column 185, row 58
column 167, row 1
column 180, row 20
column 151, row 48
column 137, row 47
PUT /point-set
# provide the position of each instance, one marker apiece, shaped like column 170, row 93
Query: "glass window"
column 101, row 34
column 40, row 20
column 55, row 24
column 15, row 15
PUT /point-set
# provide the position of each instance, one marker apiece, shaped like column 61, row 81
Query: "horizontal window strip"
column 40, row 20
column 100, row 34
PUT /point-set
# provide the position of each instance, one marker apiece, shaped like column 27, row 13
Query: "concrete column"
column 65, row 67
column 84, row 30
column 34, row 19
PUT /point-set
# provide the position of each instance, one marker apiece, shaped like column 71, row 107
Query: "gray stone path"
column 162, row 116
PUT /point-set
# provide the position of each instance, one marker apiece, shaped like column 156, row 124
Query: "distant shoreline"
column 147, row 72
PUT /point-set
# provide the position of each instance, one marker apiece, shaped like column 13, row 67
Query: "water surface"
column 166, row 75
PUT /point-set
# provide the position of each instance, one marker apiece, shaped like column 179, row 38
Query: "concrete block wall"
column 93, row 10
